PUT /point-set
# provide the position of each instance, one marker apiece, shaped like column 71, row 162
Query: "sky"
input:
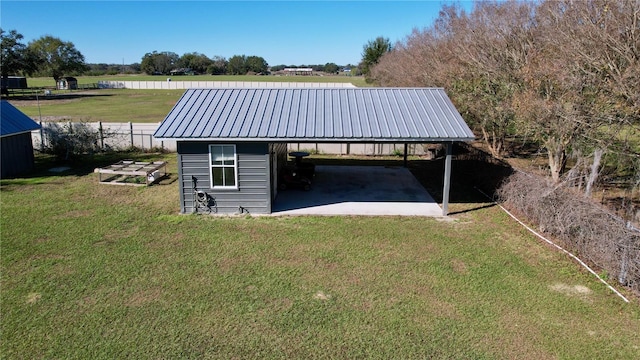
column 282, row 32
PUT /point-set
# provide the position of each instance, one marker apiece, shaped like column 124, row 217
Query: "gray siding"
column 254, row 185
column 17, row 155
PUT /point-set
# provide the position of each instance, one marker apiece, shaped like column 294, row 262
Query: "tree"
column 477, row 57
column 15, row 57
column 331, row 68
column 237, row 65
column 218, row 66
column 56, row 57
column 159, row 62
column 199, row 63
column 372, row 52
column 582, row 82
column 257, row 64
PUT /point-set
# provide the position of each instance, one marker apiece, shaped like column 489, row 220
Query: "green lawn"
column 124, row 105
column 107, row 272
column 113, row 105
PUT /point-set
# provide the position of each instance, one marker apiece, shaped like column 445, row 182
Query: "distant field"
column 355, row 80
column 113, row 105
column 124, row 105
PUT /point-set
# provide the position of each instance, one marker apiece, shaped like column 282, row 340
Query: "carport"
column 359, row 190
column 232, row 142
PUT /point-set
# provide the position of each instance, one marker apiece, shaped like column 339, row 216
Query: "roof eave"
column 326, row 140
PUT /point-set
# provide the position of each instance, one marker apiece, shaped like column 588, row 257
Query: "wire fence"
column 110, row 135
column 125, row 135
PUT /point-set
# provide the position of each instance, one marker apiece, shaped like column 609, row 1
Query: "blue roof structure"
column 14, row 121
column 316, row 115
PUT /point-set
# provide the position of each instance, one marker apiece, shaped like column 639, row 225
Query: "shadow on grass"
column 54, row 97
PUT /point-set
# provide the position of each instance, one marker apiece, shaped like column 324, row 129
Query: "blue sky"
column 285, row 32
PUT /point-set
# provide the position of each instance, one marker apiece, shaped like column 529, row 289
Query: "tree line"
column 560, row 76
column 49, row 56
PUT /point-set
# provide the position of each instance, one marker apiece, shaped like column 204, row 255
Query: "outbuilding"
column 232, row 143
column 67, row 83
column 15, row 141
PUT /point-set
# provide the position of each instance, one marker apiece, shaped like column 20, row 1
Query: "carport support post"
column 405, row 154
column 447, row 180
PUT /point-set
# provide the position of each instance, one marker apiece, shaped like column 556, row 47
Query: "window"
column 224, row 166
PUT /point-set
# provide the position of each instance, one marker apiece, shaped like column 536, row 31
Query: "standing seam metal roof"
column 14, row 121
column 315, row 114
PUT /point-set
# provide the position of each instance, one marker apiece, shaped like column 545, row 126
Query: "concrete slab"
column 359, row 190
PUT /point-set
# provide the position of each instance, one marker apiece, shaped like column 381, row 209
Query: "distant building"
column 67, row 83
column 182, row 71
column 16, row 145
column 14, row 82
column 298, row 71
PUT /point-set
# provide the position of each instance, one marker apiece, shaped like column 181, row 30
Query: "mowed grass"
column 124, row 105
column 103, row 272
column 112, row 105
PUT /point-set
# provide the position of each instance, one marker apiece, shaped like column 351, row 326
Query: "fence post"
column 41, row 138
column 131, row 132
column 101, row 135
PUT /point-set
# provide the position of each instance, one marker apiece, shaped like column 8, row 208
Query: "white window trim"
column 235, row 166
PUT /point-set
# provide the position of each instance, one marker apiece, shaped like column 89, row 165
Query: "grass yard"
column 103, row 272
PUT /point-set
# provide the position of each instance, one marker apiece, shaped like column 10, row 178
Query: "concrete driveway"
column 359, row 190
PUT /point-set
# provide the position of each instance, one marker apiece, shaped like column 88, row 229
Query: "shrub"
column 598, row 236
column 67, row 139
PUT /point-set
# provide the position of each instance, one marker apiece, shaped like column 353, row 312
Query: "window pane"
column 228, row 152
column 217, row 176
column 216, row 155
column 230, row 176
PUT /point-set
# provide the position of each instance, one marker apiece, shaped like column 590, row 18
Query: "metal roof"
column 14, row 121
column 317, row 114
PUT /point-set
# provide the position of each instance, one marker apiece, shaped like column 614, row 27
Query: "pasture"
column 102, row 272
column 124, row 105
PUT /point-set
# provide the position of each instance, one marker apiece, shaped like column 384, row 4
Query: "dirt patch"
column 572, row 290
column 74, row 214
column 33, row 298
column 144, row 297
column 321, row 295
column 459, row 267
column 115, row 235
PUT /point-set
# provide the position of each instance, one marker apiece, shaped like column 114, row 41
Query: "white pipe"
column 558, row 247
